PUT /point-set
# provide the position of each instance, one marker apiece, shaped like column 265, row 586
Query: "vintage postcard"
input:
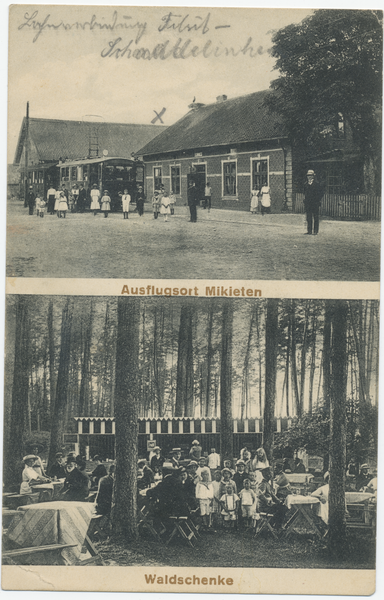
column 192, row 299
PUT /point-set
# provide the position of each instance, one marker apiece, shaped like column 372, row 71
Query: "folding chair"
column 265, row 523
column 183, row 527
column 146, row 522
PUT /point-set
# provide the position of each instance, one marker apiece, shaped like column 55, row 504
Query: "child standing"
column 248, row 503
column 105, row 204
column 126, row 200
column 41, row 204
column 63, row 205
column 254, row 200
column 155, row 204
column 216, row 507
column 172, row 202
column 229, row 503
column 265, row 199
column 95, row 195
column 204, row 494
column 165, row 206
column 37, row 205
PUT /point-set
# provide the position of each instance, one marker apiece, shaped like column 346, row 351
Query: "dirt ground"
column 241, row 550
column 222, row 244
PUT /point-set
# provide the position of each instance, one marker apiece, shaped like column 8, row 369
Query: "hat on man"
column 195, row 443
column 192, row 463
column 58, row 454
column 310, row 172
column 142, row 461
column 71, row 459
column 157, row 448
column 364, row 466
column 227, row 470
column 240, row 462
column 29, row 457
column 174, row 450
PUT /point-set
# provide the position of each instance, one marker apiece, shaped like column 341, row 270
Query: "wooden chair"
column 146, row 522
column 265, row 523
column 184, row 528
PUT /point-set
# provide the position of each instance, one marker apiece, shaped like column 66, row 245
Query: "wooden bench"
column 362, row 516
column 15, row 500
column 9, row 556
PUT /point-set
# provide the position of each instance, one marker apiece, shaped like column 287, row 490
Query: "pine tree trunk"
column 313, row 365
column 184, row 382
column 13, row 451
column 226, row 419
column 337, row 523
column 208, row 405
column 51, row 347
column 57, row 426
column 295, row 387
column 84, row 408
column 271, row 326
column 124, row 511
column 326, row 362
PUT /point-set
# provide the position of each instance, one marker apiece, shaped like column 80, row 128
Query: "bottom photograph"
column 166, row 432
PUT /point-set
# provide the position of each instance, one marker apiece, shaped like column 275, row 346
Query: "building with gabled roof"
column 235, row 144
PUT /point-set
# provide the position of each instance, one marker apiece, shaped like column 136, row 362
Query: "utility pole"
column 26, row 155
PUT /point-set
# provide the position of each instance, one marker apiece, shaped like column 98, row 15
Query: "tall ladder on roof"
column 93, row 141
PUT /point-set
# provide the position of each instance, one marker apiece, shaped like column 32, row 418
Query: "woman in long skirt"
column 165, row 206
column 254, row 200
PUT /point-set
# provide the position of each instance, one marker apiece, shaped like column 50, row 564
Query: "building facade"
column 235, row 145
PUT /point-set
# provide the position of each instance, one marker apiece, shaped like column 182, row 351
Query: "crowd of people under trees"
column 220, row 494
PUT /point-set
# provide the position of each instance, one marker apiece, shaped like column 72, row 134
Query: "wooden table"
column 51, row 523
column 305, row 508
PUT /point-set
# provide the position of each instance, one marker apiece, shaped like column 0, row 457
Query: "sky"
column 64, row 60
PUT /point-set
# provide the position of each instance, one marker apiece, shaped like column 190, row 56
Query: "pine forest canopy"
column 330, row 69
column 180, row 357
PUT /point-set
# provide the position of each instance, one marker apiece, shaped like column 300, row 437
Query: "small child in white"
column 248, row 503
column 216, row 507
column 229, row 503
column 204, row 494
column 40, row 204
column 165, row 206
column 172, row 202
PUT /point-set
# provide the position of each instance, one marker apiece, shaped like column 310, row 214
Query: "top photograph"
column 194, row 143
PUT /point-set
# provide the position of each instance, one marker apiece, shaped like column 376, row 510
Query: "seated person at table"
column 229, row 502
column 240, row 474
column 371, row 488
column 363, row 478
column 57, row 470
column 168, row 497
column 189, row 486
column 282, row 485
column 157, row 475
column 299, row 466
column 259, row 462
column 204, row 494
column 38, row 464
column 157, row 460
column 202, row 465
column 76, row 485
column 99, row 472
column 146, row 477
column 352, row 469
column 29, row 476
column 268, row 502
column 226, row 479
column 248, row 503
column 322, row 493
column 104, row 492
column 195, row 451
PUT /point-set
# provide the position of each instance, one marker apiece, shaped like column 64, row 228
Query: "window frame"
column 171, row 179
column 223, row 164
column 156, row 177
column 253, row 162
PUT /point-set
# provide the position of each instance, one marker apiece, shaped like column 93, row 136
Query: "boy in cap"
column 240, row 474
column 57, row 470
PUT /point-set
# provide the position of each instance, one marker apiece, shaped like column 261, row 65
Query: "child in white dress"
column 165, row 206
column 229, row 503
column 204, row 494
column 105, row 203
column 95, row 195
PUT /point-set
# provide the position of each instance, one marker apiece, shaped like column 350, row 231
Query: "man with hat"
column 76, row 483
column 363, row 478
column 268, row 502
column 312, row 200
column 157, row 460
column 99, row 471
column 29, row 476
column 146, row 478
column 283, row 487
column 57, row 470
column 175, row 457
column 240, row 474
column 140, row 199
column 31, row 198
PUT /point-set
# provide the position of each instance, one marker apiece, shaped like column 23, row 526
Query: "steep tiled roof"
column 56, row 138
column 243, row 119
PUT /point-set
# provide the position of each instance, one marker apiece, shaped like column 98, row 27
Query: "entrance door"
column 200, row 179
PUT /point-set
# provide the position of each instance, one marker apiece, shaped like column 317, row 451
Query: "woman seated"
column 29, row 476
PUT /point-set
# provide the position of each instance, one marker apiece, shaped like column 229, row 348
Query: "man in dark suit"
column 192, row 201
column 312, row 199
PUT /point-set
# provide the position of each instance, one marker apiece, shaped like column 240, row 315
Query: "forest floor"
column 240, row 550
column 223, row 244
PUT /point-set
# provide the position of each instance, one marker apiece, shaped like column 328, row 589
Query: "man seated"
column 299, row 466
column 167, row 498
column 76, row 485
column 157, row 460
column 322, row 493
column 146, row 477
column 282, row 485
column 29, row 476
column 175, row 457
column 99, row 472
column 104, row 492
column 363, row 478
column 57, row 470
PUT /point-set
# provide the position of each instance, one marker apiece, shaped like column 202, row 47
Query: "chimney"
column 221, row 98
column 195, row 105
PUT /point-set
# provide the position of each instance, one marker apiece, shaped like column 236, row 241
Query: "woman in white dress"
column 29, row 476
column 126, row 200
column 254, row 200
column 63, row 205
column 165, row 206
column 95, row 195
column 105, row 203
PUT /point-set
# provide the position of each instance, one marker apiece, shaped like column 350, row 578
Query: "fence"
column 345, row 206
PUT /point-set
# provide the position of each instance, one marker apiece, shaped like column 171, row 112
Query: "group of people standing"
column 264, row 196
